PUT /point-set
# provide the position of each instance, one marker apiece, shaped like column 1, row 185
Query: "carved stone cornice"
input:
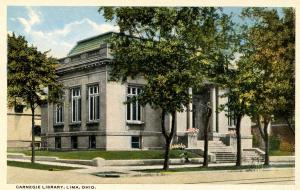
column 82, row 65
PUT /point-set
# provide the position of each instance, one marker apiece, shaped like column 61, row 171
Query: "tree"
column 30, row 72
column 286, row 110
column 269, row 49
column 169, row 48
column 219, row 44
column 239, row 82
column 173, row 49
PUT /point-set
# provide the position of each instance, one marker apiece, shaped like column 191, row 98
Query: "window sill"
column 75, row 124
column 58, row 124
column 135, row 122
column 92, row 122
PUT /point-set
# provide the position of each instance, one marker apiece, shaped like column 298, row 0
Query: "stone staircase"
column 227, row 154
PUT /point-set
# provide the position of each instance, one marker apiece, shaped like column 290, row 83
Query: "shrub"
column 274, row 142
column 178, row 146
column 285, row 146
column 256, row 141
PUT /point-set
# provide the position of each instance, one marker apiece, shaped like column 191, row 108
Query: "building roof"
column 89, row 44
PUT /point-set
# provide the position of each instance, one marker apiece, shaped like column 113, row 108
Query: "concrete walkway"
column 84, row 175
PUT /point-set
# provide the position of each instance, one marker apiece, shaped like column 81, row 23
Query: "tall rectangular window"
column 59, row 114
column 133, row 108
column 231, row 117
column 76, row 104
column 94, row 103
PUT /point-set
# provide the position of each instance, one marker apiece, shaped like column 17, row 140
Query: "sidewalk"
column 30, row 176
column 128, row 170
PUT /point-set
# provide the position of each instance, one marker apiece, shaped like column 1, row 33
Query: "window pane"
column 57, row 142
column 73, row 110
column 139, row 111
column 128, row 90
column 59, row 115
column 92, row 142
column 128, row 111
column 135, row 142
column 134, row 111
column 74, row 142
column 79, row 109
column 91, row 90
column 91, row 108
column 133, row 90
column 97, row 105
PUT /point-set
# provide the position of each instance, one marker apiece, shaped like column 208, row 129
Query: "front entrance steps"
column 227, row 154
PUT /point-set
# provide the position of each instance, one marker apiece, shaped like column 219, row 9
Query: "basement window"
column 135, row 142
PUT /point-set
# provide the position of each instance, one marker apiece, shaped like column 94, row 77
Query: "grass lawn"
column 281, row 153
column 214, row 168
column 110, row 155
column 39, row 166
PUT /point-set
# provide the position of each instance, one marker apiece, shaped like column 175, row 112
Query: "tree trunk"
column 167, row 151
column 32, row 135
column 205, row 161
column 238, row 142
column 168, row 138
column 266, row 139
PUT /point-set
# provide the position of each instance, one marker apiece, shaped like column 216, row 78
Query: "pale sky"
column 58, row 28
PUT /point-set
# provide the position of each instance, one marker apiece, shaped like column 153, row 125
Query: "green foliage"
column 256, row 140
column 30, row 72
column 274, row 142
column 269, row 50
column 173, row 49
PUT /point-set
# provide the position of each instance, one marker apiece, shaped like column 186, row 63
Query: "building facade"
column 94, row 116
column 19, row 127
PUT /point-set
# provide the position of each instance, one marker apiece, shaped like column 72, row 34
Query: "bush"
column 256, row 141
column 178, row 146
column 285, row 146
column 274, row 143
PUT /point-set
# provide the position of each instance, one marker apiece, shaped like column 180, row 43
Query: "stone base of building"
column 21, row 144
column 102, row 141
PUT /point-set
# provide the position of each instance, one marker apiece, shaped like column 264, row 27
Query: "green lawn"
column 39, row 166
column 214, row 168
column 110, row 155
column 281, row 153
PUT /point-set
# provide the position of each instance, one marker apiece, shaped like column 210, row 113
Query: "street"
column 268, row 176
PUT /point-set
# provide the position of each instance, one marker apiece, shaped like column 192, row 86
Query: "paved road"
column 274, row 176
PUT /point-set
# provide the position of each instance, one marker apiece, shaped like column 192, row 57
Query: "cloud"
column 61, row 40
column 33, row 19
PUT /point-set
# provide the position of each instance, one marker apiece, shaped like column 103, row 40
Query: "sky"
column 59, row 28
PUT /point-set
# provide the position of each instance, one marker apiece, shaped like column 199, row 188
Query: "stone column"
column 214, row 108
column 50, row 118
column 67, row 110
